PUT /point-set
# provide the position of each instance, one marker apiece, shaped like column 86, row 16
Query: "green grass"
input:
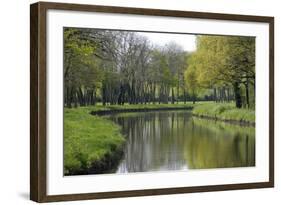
column 100, row 107
column 88, row 139
column 224, row 111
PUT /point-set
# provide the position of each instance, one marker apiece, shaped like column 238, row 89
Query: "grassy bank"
column 99, row 109
column 90, row 142
column 225, row 112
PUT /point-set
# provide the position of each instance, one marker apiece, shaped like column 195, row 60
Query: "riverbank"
column 226, row 112
column 92, row 144
column 111, row 109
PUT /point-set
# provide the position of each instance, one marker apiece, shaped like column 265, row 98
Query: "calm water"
column 174, row 140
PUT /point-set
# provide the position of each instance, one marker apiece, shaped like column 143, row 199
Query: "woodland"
column 111, row 67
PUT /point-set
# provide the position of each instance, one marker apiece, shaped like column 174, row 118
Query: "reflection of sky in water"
column 122, row 168
column 161, row 141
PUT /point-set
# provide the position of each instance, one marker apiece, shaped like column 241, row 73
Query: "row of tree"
column 118, row 67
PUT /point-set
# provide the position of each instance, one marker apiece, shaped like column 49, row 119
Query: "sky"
column 187, row 41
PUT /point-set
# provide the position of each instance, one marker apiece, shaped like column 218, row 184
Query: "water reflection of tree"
column 155, row 142
column 218, row 145
column 173, row 140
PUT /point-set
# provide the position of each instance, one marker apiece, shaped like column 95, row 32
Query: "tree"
column 191, row 78
column 224, row 62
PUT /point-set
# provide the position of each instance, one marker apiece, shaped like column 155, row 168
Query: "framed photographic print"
column 134, row 102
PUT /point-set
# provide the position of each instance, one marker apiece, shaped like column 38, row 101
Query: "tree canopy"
column 224, row 64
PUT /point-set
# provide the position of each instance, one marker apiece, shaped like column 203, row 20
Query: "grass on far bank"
column 225, row 111
column 100, row 107
column 219, row 111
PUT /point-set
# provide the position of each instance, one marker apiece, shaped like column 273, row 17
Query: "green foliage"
column 223, row 62
column 81, row 72
column 191, row 77
column 115, row 67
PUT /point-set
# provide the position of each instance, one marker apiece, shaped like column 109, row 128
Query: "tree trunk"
column 80, row 97
column 154, row 94
column 193, row 97
column 68, row 98
column 247, row 93
column 215, row 94
column 184, row 95
column 178, row 90
column 173, row 96
column 228, row 94
column 94, row 97
column 103, row 95
column 237, row 95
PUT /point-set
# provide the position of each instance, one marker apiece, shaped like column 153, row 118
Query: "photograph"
column 128, row 101
column 142, row 101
